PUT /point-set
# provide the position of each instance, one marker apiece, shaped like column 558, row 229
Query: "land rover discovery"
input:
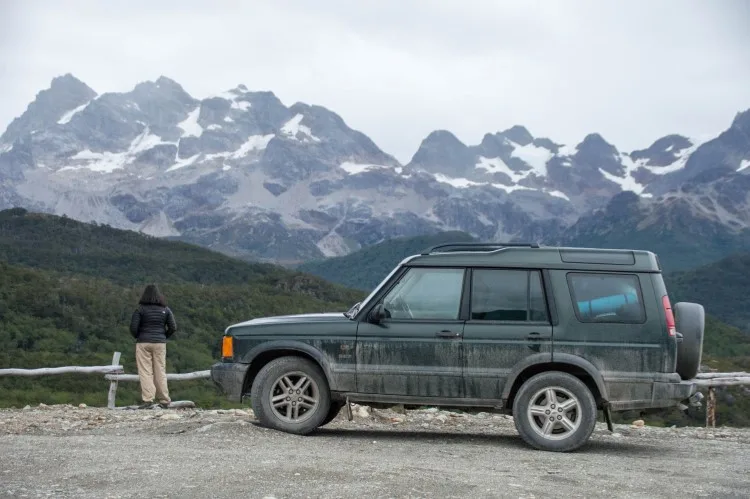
column 550, row 335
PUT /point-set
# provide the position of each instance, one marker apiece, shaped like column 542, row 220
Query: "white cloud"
column 632, row 71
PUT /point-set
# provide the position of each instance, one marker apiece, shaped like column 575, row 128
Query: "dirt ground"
column 66, row 451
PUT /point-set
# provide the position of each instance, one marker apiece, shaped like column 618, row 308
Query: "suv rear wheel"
column 554, row 411
column 291, row 394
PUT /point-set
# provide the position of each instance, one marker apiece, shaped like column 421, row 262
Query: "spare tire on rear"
column 690, row 319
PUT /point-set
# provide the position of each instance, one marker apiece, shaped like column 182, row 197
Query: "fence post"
column 711, row 408
column 113, row 383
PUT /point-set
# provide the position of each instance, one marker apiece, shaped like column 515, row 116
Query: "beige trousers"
column 151, row 359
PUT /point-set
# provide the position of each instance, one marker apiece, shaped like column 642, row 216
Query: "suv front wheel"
column 554, row 411
column 291, row 394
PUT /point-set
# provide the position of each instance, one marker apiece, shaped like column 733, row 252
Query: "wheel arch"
column 567, row 363
column 266, row 352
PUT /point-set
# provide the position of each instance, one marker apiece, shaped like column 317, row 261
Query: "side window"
column 424, row 293
column 507, row 295
column 607, row 298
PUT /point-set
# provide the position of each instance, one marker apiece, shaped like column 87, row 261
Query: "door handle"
column 447, row 334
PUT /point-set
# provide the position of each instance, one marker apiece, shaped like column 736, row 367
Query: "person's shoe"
column 164, row 405
column 146, row 405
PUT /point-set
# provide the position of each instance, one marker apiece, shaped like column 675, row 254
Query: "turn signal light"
column 227, row 347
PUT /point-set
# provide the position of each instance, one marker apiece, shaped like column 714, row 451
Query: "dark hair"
column 152, row 296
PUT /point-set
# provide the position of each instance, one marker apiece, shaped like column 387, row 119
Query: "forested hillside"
column 364, row 269
column 67, row 290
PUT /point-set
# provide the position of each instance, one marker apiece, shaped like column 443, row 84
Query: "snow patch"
column 144, row 142
column 567, row 151
column 107, row 162
column 460, row 183
column 242, row 105
column 497, row 165
column 332, row 244
column 535, row 157
column 294, row 127
column 182, row 163
column 213, row 127
column 190, row 126
column 558, row 194
column 626, row 183
column 103, row 162
column 253, row 143
column 6, row 148
column 228, row 120
column 226, row 168
column 355, row 168
column 511, row 188
column 678, row 164
column 744, row 164
column 69, row 115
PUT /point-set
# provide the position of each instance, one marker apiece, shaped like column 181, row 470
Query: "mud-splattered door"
column 416, row 349
column 508, row 323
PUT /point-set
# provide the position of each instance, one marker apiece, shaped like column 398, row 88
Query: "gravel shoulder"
column 65, row 451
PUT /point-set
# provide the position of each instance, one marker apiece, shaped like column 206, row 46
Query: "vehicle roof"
column 534, row 256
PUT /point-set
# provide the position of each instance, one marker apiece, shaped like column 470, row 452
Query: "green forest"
column 67, row 290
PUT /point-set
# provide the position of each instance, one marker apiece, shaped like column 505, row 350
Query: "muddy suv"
column 550, row 335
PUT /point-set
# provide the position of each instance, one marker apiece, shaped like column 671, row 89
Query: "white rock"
column 82, row 406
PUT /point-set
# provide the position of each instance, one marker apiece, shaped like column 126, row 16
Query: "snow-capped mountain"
column 243, row 173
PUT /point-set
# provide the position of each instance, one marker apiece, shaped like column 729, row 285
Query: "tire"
column 274, row 379
column 333, row 412
column 581, row 417
column 690, row 321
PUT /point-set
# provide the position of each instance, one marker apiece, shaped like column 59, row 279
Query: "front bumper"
column 229, row 377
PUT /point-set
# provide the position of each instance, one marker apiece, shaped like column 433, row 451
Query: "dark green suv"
column 548, row 334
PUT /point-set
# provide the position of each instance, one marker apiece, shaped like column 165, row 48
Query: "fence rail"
column 114, row 374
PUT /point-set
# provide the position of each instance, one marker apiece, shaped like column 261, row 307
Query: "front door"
column 416, row 349
column 508, row 323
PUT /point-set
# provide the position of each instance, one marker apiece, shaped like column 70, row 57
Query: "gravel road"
column 65, row 451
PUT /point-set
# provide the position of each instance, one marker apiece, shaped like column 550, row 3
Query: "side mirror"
column 377, row 314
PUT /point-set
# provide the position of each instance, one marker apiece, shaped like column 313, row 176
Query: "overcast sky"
column 631, row 70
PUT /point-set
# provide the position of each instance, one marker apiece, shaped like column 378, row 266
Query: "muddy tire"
column 291, row 394
column 690, row 321
column 554, row 411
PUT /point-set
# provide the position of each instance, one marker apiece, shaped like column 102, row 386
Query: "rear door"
column 416, row 350
column 508, row 322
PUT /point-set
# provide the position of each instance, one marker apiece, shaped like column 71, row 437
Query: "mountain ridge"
column 241, row 172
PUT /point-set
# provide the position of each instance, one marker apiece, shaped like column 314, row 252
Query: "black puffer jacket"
column 152, row 324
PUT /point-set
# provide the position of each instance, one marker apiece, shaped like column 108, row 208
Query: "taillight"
column 227, row 347
column 671, row 326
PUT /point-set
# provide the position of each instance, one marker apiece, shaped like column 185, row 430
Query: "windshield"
column 358, row 306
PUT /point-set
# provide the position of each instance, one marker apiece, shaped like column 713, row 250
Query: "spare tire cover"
column 690, row 320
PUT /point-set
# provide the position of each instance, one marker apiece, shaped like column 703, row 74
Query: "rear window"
column 607, row 298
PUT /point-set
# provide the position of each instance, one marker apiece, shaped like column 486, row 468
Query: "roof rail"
column 477, row 247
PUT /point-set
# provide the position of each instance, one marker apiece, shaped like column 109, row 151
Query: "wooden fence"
column 114, row 374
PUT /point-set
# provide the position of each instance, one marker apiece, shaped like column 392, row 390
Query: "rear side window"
column 507, row 295
column 607, row 298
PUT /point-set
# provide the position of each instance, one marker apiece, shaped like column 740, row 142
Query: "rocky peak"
column 518, row 134
column 65, row 94
column 594, row 152
column 664, row 151
column 442, row 152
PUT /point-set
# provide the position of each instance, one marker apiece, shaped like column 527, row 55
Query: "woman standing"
column 152, row 323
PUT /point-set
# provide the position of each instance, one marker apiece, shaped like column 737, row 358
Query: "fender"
column 560, row 358
column 297, row 346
